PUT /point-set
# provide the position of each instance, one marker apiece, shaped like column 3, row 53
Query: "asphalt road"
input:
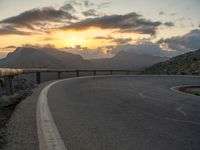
column 126, row 113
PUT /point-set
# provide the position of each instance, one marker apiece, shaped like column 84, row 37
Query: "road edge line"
column 175, row 89
column 48, row 134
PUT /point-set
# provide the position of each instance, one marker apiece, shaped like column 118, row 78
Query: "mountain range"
column 34, row 57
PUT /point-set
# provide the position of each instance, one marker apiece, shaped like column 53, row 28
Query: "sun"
column 84, row 38
column 74, row 41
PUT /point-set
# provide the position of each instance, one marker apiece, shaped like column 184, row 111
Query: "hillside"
column 31, row 57
column 188, row 63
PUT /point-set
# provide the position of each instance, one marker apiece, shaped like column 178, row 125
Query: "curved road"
column 126, row 113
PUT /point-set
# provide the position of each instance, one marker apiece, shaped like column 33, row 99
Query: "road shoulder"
column 22, row 127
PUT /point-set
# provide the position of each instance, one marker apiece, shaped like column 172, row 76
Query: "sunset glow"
column 97, row 25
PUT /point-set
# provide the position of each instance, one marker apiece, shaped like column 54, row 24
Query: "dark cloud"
column 121, row 41
column 6, row 30
column 185, row 43
column 104, row 38
column 145, row 47
column 161, row 13
column 169, row 24
column 11, row 46
column 68, row 7
column 87, row 3
column 104, row 5
column 90, row 13
column 131, row 22
column 30, row 17
column 37, row 20
column 165, row 47
column 43, row 20
column 88, row 53
column 173, row 14
column 118, row 41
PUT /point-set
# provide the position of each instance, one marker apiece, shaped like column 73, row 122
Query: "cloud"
column 103, row 5
column 11, row 46
column 38, row 45
column 161, row 13
column 43, row 20
column 28, row 18
column 131, row 22
column 182, row 44
column 90, row 13
column 121, row 41
column 68, row 7
column 87, row 3
column 7, row 30
column 145, row 47
column 117, row 41
column 88, row 53
column 169, row 24
column 173, row 14
column 5, row 50
column 39, row 20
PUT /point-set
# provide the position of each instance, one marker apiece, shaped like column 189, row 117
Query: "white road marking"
column 175, row 89
column 183, row 121
column 180, row 109
column 48, row 134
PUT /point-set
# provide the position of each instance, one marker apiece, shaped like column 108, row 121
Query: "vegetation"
column 186, row 64
column 191, row 90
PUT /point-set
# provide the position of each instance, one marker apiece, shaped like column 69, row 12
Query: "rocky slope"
column 188, row 63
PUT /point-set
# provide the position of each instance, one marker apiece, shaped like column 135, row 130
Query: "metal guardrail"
column 8, row 74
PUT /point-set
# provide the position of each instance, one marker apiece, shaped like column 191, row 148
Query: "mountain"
column 30, row 57
column 188, row 63
column 128, row 60
column 34, row 57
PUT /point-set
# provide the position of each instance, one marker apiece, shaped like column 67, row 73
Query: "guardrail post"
column 59, row 75
column 9, row 85
column 77, row 73
column 95, row 73
column 111, row 72
column 38, row 77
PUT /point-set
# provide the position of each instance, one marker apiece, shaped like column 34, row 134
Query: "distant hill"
column 128, row 60
column 29, row 57
column 32, row 57
column 188, row 63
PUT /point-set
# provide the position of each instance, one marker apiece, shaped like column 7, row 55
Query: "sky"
column 96, row 29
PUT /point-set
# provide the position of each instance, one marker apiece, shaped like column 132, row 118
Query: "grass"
column 194, row 90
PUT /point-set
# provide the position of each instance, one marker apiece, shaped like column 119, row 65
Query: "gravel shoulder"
column 22, row 127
